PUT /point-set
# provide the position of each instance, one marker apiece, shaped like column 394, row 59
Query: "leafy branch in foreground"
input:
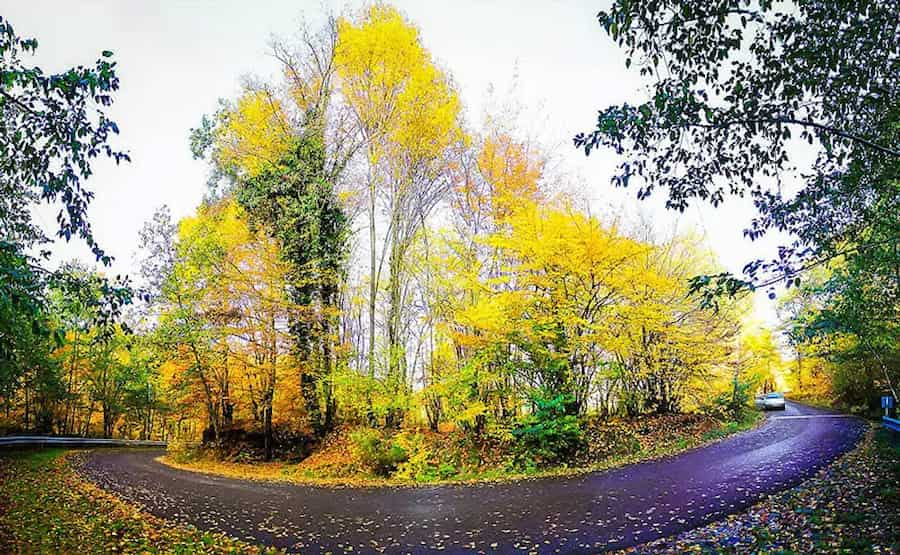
column 735, row 85
column 53, row 127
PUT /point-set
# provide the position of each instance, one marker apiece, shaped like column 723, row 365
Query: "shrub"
column 377, row 453
column 732, row 404
column 417, row 465
column 446, row 471
column 551, row 433
column 183, row 451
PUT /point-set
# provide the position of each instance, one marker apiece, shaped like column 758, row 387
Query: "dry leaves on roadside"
column 46, row 508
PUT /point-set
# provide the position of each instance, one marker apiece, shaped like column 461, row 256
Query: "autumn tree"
column 225, row 308
column 492, row 175
column 272, row 147
column 665, row 341
column 842, row 325
column 190, row 322
column 407, row 112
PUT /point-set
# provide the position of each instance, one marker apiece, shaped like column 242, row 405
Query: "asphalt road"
column 584, row 514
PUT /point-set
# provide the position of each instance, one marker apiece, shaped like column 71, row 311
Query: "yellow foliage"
column 233, row 280
column 255, row 134
column 760, row 360
column 404, row 103
column 561, row 268
column 512, row 172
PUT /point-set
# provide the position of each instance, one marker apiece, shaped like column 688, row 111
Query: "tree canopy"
column 735, row 88
column 52, row 129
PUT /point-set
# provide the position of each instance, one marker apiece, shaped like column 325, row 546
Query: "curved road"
column 582, row 514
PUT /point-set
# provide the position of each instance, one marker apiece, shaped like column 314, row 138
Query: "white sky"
column 177, row 57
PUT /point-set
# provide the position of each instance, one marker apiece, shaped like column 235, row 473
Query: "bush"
column 446, row 471
column 377, row 453
column 182, row 451
column 551, row 433
column 417, row 465
column 423, row 463
column 732, row 404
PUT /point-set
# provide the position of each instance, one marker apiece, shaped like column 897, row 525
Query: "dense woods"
column 367, row 258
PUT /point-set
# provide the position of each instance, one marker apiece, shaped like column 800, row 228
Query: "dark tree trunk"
column 108, row 420
column 269, row 439
column 308, row 390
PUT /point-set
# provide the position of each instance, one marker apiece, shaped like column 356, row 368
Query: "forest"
column 371, row 267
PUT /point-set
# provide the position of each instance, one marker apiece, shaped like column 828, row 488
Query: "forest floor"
column 46, row 508
column 850, row 506
column 450, row 457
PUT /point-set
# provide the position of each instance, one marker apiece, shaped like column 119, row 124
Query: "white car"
column 773, row 401
column 760, row 401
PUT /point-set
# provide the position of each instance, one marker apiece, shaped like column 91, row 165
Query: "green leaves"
column 379, row 454
column 53, row 127
column 709, row 289
column 552, row 432
column 736, row 82
column 295, row 202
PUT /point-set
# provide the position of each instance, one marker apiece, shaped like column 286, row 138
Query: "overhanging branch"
column 804, row 123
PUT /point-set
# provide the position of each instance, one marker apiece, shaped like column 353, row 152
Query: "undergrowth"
column 364, row 456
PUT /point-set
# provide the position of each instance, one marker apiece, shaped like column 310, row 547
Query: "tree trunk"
column 310, row 396
column 267, row 430
column 327, row 387
column 373, row 281
column 211, row 410
column 27, row 407
column 87, row 422
column 70, row 398
column 396, row 355
column 107, row 420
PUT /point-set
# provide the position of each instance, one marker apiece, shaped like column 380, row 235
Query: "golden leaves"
column 405, row 105
column 558, row 266
column 255, row 134
column 512, row 171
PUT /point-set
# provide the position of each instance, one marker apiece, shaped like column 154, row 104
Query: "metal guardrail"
column 49, row 441
column 891, row 423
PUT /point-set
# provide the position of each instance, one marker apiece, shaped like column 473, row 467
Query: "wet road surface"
column 582, row 514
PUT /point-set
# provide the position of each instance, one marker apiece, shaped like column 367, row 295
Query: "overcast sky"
column 177, row 57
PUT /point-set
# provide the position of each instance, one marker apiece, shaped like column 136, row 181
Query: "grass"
column 610, row 445
column 46, row 508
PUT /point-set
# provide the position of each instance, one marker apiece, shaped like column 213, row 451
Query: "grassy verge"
column 611, row 444
column 819, row 401
column 852, row 506
column 46, row 508
column 830, row 403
